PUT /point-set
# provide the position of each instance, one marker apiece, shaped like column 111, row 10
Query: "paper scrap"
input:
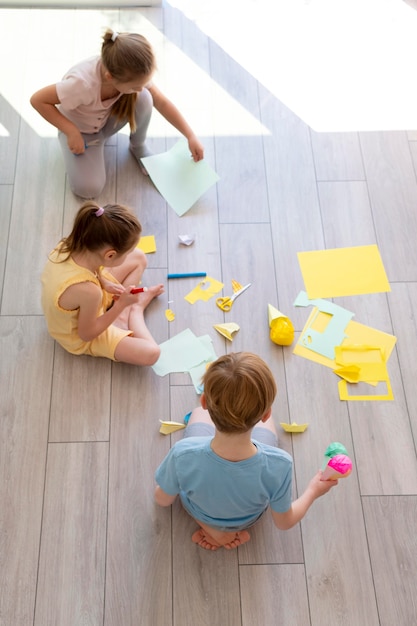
column 372, row 368
column 170, row 315
column 186, row 240
column 227, row 329
column 170, row 427
column 198, row 372
column 178, row 178
column 343, row 272
column 205, row 290
column 181, row 353
column 147, row 244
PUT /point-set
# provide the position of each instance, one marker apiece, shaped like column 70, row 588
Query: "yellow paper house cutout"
column 227, row 329
column 294, row 427
column 170, row 427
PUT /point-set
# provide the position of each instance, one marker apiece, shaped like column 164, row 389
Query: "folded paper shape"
column 294, row 427
column 372, row 368
column 227, row 329
column 170, row 427
column 282, row 330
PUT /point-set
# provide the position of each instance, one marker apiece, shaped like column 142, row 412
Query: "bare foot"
column 242, row 536
column 204, row 540
column 147, row 296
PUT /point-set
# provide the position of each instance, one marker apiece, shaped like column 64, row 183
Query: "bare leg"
column 141, row 349
column 200, row 415
column 130, row 272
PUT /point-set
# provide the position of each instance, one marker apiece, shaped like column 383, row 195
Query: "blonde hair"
column 95, row 227
column 239, row 389
column 127, row 56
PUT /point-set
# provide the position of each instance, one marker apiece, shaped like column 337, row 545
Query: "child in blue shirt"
column 228, row 469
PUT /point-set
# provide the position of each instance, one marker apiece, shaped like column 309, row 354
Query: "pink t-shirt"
column 79, row 93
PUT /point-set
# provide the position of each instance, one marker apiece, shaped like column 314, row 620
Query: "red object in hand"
column 138, row 290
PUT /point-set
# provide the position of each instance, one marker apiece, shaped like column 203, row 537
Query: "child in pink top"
column 96, row 98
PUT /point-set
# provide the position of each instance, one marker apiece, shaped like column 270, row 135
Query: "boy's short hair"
column 239, row 389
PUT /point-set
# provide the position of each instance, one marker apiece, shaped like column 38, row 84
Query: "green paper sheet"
column 182, row 353
column 178, row 178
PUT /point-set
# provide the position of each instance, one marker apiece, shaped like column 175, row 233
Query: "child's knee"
column 152, row 356
column 86, row 189
column 139, row 258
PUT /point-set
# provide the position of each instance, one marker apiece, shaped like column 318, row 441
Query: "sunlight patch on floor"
column 339, row 65
column 57, row 39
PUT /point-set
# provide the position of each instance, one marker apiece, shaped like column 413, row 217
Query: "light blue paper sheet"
column 182, row 353
column 178, row 178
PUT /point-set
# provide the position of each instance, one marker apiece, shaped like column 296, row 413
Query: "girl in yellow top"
column 91, row 310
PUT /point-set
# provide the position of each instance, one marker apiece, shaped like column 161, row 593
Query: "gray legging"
column 87, row 172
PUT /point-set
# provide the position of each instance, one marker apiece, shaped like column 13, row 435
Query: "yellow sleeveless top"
column 63, row 324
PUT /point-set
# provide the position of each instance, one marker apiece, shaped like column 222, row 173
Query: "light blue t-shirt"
column 224, row 494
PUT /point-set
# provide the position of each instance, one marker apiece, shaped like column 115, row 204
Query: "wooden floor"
column 81, row 541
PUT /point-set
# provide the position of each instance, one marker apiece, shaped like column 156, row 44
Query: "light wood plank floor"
column 81, row 541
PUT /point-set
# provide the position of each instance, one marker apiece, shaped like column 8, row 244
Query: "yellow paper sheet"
column 358, row 334
column 343, row 272
column 147, row 244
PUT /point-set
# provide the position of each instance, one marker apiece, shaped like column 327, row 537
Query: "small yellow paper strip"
column 227, row 329
column 170, row 315
column 170, row 427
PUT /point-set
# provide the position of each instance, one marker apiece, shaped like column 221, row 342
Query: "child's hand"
column 196, row 148
column 320, row 487
column 75, row 142
column 114, row 288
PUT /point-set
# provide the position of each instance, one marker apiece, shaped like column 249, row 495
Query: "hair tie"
column 114, row 37
column 99, row 212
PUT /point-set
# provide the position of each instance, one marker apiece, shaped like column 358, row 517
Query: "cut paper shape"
column 356, row 334
column 170, row 427
column 227, row 329
column 198, row 372
column 147, row 244
column 205, row 290
column 371, row 362
column 314, row 336
column 343, row 272
column 236, row 286
column 294, row 427
column 282, row 330
column 178, row 178
column 170, row 315
column 186, row 240
column 181, row 353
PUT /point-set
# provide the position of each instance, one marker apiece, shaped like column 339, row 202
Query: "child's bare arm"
column 87, row 297
column 170, row 112
column 45, row 101
column 162, row 498
column 315, row 489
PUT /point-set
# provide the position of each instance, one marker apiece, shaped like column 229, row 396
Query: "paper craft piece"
column 205, row 290
column 147, row 244
column 181, row 353
column 332, row 450
column 236, row 286
column 356, row 334
column 198, row 372
column 170, row 315
column 282, row 330
column 371, row 362
column 343, row 272
column 186, row 240
column 314, row 337
column 339, row 466
column 227, row 329
column 178, row 178
column 170, row 427
column 294, row 427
